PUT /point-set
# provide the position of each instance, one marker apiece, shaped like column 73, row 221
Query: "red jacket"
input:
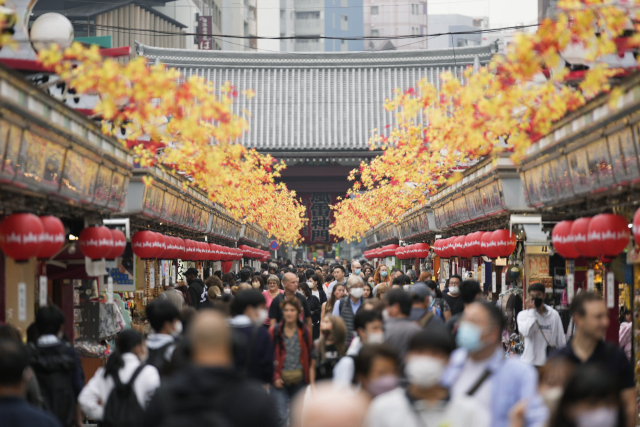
column 280, row 350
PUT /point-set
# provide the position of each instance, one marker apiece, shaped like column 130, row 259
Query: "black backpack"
column 54, row 367
column 122, row 408
column 156, row 358
column 201, row 410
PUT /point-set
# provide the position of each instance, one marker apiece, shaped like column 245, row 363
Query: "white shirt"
column 394, row 409
column 535, row 345
column 345, row 368
column 93, row 397
column 316, row 293
column 469, row 376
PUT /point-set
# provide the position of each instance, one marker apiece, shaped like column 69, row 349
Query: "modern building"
column 239, row 18
column 269, row 25
column 454, row 23
column 343, row 18
column 186, row 11
column 388, row 19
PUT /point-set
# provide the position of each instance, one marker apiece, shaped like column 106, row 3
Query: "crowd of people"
column 312, row 345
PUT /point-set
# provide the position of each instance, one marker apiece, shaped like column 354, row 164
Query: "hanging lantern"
column 636, row 226
column 460, row 247
column 581, row 242
column 246, row 251
column 20, row 236
column 421, row 250
column 52, row 238
column 609, row 234
column 399, row 252
column 146, row 244
column 119, row 244
column 488, row 246
column 505, row 242
column 444, row 248
column 466, row 247
column 475, row 243
column 180, row 250
column 215, row 256
column 563, row 240
column 96, row 242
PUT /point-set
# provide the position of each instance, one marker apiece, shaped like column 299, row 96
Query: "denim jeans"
column 282, row 397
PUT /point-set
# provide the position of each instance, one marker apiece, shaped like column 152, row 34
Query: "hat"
column 193, row 271
column 421, row 291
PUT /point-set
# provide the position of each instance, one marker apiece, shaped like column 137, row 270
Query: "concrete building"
column 343, row 18
column 239, row 18
column 268, row 25
column 185, row 11
column 454, row 23
column 389, row 19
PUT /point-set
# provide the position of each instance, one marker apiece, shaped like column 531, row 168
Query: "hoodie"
column 535, row 344
column 198, row 292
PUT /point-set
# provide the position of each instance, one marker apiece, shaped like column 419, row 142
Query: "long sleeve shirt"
column 532, row 325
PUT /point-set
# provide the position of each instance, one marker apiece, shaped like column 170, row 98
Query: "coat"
column 304, row 336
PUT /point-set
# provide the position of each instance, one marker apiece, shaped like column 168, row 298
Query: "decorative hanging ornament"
column 636, row 226
column 460, row 247
column 476, row 243
column 146, row 244
column 609, row 234
column 421, row 250
column 52, row 238
column 20, row 236
column 119, row 244
column 96, row 242
column 505, row 242
column 563, row 240
column 488, row 247
column 581, row 242
column 180, row 250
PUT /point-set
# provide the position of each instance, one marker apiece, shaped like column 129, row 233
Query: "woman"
column 123, row 367
column 315, row 282
column 229, row 278
column 368, row 290
column 439, row 305
column 424, row 276
column 328, row 279
column 292, row 355
column 367, row 270
column 314, row 306
column 273, row 290
column 625, row 333
column 382, row 289
column 329, row 348
column 226, row 288
column 213, row 281
column 337, row 293
column 381, row 276
column 258, row 282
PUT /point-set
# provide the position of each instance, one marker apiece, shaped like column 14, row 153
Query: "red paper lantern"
column 609, row 234
column 461, row 249
column 119, row 244
column 505, row 242
column 180, row 248
column 488, row 246
column 20, row 236
column 444, row 248
column 52, row 238
column 215, row 256
column 581, row 242
column 146, row 244
column 450, row 247
column 226, row 267
column 391, row 250
column 636, row 226
column 189, row 250
column 400, row 252
column 96, row 242
column 563, row 240
column 421, row 250
column 246, row 251
column 475, row 243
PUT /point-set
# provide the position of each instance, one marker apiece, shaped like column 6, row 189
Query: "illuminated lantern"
column 488, row 246
column 146, row 244
column 505, row 242
column 96, row 242
column 580, row 232
column 609, row 234
column 636, row 226
column 119, row 244
column 563, row 240
column 20, row 236
column 52, row 238
column 461, row 248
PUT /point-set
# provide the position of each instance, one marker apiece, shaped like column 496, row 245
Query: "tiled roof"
column 317, row 101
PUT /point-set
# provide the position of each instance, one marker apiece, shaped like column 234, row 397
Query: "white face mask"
column 424, row 371
column 601, row 417
column 227, row 290
column 357, row 292
column 454, row 290
column 407, row 288
column 177, row 329
column 375, row 338
column 263, row 314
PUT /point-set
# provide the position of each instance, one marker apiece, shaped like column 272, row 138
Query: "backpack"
column 54, row 367
column 201, row 410
column 156, row 358
column 122, row 408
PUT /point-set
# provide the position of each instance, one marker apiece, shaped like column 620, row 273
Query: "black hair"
column 435, row 337
column 495, row 314
column 341, row 267
column 264, row 266
column 126, row 341
column 536, row 287
column 577, row 305
column 49, row 320
column 455, row 276
column 398, row 296
column 309, row 273
column 329, row 278
column 395, row 270
column 260, row 279
column 401, row 280
column 14, row 359
column 316, row 278
column 434, row 287
column 245, row 274
column 246, row 298
column 368, row 353
column 469, row 290
column 305, row 288
column 218, row 273
column 10, row 332
column 160, row 311
column 590, row 383
column 365, row 316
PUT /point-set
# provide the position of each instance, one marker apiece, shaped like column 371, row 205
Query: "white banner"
column 110, row 289
column 152, row 274
column 494, row 283
column 590, row 280
column 43, row 291
column 22, row 302
column 570, row 287
column 611, row 291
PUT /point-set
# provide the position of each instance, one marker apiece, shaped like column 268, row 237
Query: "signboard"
column 274, row 245
column 320, row 217
column 205, row 41
column 122, row 271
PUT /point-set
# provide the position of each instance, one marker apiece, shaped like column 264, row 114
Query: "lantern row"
column 492, row 244
column 419, row 250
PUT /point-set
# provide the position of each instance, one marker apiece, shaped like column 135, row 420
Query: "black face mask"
column 537, row 302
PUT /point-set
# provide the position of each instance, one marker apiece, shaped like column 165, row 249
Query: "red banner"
column 320, row 218
column 205, row 29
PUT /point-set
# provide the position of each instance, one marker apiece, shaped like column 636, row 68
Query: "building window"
column 374, row 10
column 344, row 3
column 375, row 33
column 344, row 46
column 413, row 10
column 344, row 22
column 308, row 15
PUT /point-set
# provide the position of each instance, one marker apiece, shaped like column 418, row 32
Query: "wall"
column 395, row 19
column 333, row 11
column 184, row 11
column 268, row 25
column 15, row 273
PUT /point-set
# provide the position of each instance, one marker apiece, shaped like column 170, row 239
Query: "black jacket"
column 316, row 308
column 255, row 340
column 194, row 391
column 197, row 292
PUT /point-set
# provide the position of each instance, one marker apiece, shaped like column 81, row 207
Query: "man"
column 197, row 290
column 253, row 355
column 57, row 367
column 425, row 402
column 453, row 296
column 412, row 276
column 377, row 369
column 399, row 329
column 245, row 275
column 421, row 297
column 210, row 392
column 591, row 319
column 339, row 274
column 164, row 319
column 325, row 268
column 319, row 270
column 368, row 325
column 183, row 288
column 345, row 410
column 172, row 295
column 395, row 273
column 356, row 268
column 349, row 305
column 402, row 282
column 478, row 369
column 14, row 410
column 290, row 285
column 541, row 326
column 470, row 291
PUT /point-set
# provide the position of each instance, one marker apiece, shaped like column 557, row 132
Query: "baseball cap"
column 421, row 290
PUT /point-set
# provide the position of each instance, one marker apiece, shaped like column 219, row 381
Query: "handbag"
column 550, row 349
column 292, row 377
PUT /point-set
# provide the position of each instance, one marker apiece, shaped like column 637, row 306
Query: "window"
column 344, row 22
column 375, row 33
column 374, row 10
column 344, row 3
column 344, row 46
column 413, row 11
column 307, row 15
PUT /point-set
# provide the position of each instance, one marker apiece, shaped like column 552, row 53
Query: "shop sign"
column 590, row 280
column 42, row 291
column 610, row 290
column 22, row 302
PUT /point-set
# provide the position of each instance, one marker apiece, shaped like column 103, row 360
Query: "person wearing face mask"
column 470, row 291
column 453, row 296
column 424, row 402
column 398, row 329
column 422, row 297
column 541, row 327
column 356, row 268
column 197, row 289
column 377, row 369
column 478, row 369
column 164, row 319
column 329, row 348
column 348, row 306
column 381, row 277
column 125, row 367
column 253, row 354
column 368, row 324
column 314, row 281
